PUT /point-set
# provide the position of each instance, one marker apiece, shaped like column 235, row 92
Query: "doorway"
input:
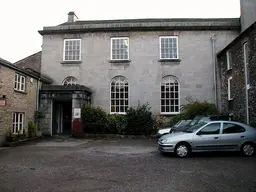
column 62, row 117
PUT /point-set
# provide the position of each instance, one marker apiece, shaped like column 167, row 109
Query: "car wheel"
column 183, row 150
column 248, row 149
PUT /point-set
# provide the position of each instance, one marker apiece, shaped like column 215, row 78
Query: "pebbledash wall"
column 237, row 105
column 16, row 101
column 195, row 70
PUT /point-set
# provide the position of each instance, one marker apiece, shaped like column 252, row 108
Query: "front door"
column 67, row 117
column 208, row 138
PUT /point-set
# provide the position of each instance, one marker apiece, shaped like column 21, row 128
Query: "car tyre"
column 248, row 149
column 182, row 150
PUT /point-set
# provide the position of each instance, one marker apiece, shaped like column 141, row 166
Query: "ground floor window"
column 170, row 95
column 17, row 122
column 119, row 95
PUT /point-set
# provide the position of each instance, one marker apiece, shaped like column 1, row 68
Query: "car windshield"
column 193, row 128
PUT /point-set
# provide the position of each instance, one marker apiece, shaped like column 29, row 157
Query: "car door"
column 207, row 138
column 232, row 136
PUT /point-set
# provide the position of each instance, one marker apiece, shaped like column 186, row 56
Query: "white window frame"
column 64, row 51
column 246, row 62
column 177, row 49
column 229, row 60
column 111, row 42
column 229, row 89
column 73, row 80
column 18, row 81
column 19, row 123
column 121, row 113
column 170, row 113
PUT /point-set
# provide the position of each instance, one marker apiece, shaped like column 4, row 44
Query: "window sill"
column 117, row 113
column 169, row 60
column 169, row 113
column 119, row 61
column 22, row 92
column 71, row 62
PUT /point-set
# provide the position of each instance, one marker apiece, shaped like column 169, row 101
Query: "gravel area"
column 119, row 165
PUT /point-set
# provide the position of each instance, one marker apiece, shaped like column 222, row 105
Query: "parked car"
column 168, row 129
column 200, row 119
column 211, row 136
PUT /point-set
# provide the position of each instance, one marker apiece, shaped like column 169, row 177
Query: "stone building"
column 19, row 97
column 116, row 64
column 237, row 64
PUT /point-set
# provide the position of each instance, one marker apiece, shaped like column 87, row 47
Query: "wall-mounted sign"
column 2, row 102
column 77, row 112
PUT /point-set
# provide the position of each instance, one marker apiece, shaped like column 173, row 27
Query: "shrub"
column 94, row 119
column 116, row 124
column 160, row 121
column 31, row 129
column 139, row 120
column 195, row 108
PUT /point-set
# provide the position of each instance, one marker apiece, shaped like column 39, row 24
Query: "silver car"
column 211, row 136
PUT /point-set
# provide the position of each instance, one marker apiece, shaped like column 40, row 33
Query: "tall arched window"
column 119, row 95
column 170, row 95
column 70, row 80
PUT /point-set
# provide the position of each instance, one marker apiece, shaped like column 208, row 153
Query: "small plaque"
column 77, row 112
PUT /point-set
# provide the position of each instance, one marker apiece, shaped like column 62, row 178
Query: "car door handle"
column 242, row 136
column 216, row 137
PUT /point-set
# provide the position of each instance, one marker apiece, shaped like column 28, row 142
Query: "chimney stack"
column 72, row 17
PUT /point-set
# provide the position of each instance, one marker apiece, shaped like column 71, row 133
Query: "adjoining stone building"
column 237, row 63
column 19, row 97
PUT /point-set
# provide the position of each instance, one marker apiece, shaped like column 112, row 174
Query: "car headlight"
column 166, row 141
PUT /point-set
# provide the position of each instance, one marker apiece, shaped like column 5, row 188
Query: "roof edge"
column 144, row 24
column 241, row 35
column 38, row 76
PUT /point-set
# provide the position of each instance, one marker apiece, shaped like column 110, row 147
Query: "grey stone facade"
column 237, row 106
column 144, row 72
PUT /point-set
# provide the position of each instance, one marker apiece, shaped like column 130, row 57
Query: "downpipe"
column 213, row 40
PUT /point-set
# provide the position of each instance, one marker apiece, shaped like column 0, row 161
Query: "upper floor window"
column 230, row 86
column 229, row 60
column 19, row 82
column 170, row 98
column 119, row 95
column 169, row 47
column 246, row 63
column 72, row 50
column 17, row 122
column 69, row 81
column 120, row 48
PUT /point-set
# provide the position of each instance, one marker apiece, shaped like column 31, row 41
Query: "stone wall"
column 144, row 72
column 238, row 104
column 16, row 101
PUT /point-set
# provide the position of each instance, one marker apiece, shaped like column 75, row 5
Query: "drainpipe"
column 213, row 38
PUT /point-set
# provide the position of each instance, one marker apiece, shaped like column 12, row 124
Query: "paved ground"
column 123, row 165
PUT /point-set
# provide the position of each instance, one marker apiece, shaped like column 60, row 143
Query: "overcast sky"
column 21, row 19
